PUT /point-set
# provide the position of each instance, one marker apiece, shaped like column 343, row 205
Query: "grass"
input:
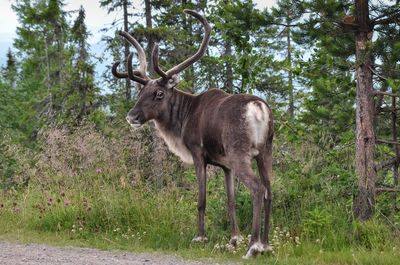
column 110, row 215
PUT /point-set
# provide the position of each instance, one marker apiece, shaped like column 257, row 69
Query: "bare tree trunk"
column 128, row 93
column 228, row 81
column 149, row 36
column 290, row 72
column 396, row 163
column 50, row 110
column 364, row 200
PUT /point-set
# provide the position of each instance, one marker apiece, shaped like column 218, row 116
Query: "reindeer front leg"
column 200, row 167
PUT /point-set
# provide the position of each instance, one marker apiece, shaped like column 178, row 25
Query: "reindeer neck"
column 179, row 106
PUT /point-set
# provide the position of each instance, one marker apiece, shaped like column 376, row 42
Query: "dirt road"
column 15, row 254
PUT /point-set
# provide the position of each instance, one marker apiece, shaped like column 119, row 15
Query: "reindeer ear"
column 173, row 81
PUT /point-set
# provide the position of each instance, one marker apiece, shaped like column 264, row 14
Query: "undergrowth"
column 96, row 189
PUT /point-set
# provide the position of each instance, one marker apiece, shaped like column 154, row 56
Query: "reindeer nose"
column 128, row 119
column 133, row 120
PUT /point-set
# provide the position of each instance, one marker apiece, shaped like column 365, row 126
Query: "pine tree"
column 113, row 6
column 80, row 93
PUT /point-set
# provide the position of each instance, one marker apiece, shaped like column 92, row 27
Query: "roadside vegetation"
column 72, row 172
column 101, row 202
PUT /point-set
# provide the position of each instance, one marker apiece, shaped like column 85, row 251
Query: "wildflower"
column 318, row 240
column 287, row 234
column 84, row 202
column 88, row 208
column 66, row 203
column 83, row 222
column 80, row 228
column 98, row 170
column 321, row 251
column 62, row 193
column 51, row 199
column 133, row 182
column 73, row 230
column 48, row 203
column 74, row 174
column 17, row 209
column 102, row 187
column 99, row 199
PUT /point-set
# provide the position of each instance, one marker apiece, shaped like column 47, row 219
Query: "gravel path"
column 14, row 254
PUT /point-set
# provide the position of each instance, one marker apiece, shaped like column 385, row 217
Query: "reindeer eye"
column 159, row 95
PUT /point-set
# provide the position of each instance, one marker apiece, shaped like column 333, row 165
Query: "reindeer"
column 214, row 128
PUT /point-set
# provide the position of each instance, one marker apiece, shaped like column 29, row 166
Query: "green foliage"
column 316, row 222
column 57, row 131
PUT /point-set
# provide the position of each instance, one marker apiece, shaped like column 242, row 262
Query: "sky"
column 96, row 18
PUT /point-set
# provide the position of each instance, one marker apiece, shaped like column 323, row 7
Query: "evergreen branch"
column 393, row 16
column 376, row 73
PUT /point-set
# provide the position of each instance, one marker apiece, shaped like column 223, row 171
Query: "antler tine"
column 203, row 47
column 141, row 53
column 117, row 74
column 156, row 66
column 134, row 75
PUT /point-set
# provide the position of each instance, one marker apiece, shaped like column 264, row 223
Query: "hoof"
column 200, row 239
column 254, row 250
column 268, row 248
column 236, row 240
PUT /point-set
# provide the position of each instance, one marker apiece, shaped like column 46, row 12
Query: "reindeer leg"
column 200, row 167
column 253, row 183
column 264, row 163
column 236, row 236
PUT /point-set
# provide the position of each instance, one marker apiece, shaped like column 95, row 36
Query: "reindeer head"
column 155, row 93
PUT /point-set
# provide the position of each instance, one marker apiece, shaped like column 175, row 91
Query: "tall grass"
column 97, row 189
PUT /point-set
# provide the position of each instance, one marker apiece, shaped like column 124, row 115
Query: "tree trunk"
column 364, row 200
column 228, row 80
column 128, row 93
column 50, row 109
column 290, row 72
column 149, row 37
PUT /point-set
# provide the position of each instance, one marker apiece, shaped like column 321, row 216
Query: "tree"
column 344, row 18
column 114, row 5
column 10, row 71
column 80, row 92
column 40, row 44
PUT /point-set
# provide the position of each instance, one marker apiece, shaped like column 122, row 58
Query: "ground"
column 32, row 254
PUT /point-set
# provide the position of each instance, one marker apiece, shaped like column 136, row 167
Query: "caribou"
column 214, row 127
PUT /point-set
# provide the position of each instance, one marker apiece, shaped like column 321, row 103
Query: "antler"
column 140, row 75
column 183, row 65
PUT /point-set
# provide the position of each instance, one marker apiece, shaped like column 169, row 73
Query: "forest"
column 73, row 172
